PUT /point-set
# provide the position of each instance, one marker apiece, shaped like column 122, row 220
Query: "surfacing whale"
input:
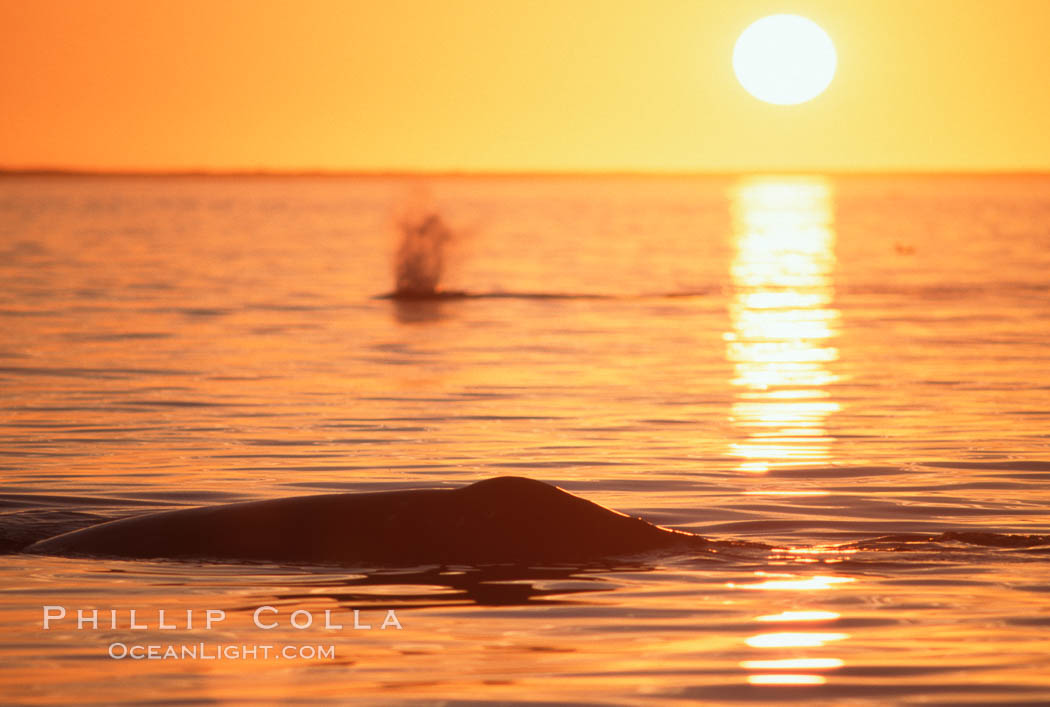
column 504, row 520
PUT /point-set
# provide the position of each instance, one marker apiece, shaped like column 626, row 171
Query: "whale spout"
column 504, row 520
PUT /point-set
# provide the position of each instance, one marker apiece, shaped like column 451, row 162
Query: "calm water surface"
column 842, row 369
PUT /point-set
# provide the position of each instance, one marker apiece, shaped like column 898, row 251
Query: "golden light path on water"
column 786, row 668
column 783, row 322
column 780, row 345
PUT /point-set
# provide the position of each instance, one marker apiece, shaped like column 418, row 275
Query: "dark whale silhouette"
column 505, row 520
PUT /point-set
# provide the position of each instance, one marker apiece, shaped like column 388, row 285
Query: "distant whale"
column 505, row 520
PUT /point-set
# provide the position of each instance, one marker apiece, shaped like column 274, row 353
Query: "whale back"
column 501, row 520
column 514, row 519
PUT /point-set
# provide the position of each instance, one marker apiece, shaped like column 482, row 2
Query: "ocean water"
column 851, row 371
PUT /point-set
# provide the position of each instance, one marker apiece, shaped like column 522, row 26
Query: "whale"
column 502, row 520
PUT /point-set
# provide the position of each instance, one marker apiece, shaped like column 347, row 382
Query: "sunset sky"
column 513, row 85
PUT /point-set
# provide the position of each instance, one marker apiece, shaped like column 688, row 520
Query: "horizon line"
column 500, row 173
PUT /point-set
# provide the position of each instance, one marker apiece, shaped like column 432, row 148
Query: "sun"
column 784, row 59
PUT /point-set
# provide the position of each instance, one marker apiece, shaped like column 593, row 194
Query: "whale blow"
column 506, row 519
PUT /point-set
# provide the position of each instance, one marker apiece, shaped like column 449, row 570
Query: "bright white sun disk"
column 784, row 59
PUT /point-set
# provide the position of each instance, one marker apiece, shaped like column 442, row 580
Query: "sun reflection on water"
column 793, row 664
column 786, row 679
column 783, row 324
column 782, row 582
column 794, row 636
column 800, row 616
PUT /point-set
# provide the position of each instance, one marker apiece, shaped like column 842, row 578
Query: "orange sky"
column 513, row 85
